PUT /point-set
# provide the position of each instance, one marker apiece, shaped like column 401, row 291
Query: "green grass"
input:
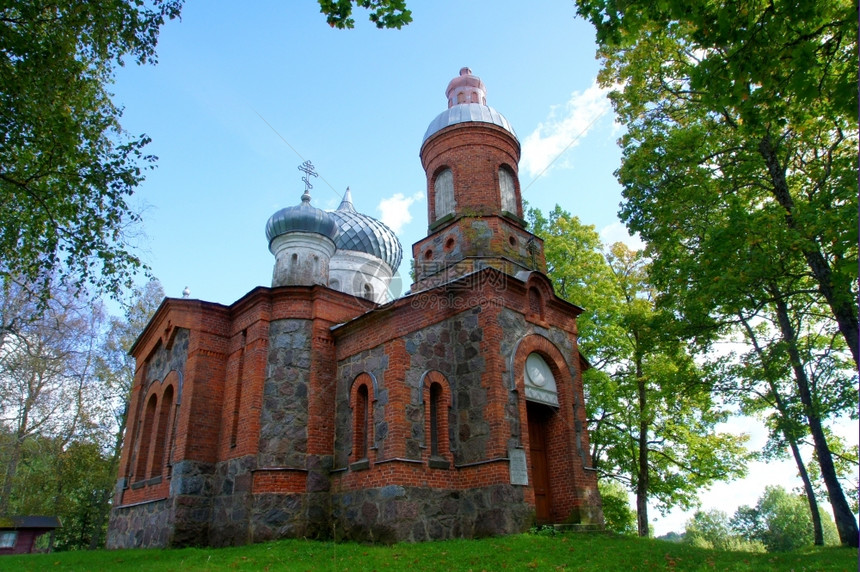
column 523, row 552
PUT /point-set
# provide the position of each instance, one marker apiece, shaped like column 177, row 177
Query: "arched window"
column 444, row 193
column 161, row 434
column 361, row 417
column 145, row 437
column 368, row 292
column 435, row 411
column 508, row 190
column 436, row 404
column 362, row 421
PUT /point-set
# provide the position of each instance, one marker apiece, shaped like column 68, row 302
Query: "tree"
column 780, row 521
column 65, row 378
column 45, row 370
column 713, row 529
column 756, row 104
column 67, row 169
column 114, row 370
column 616, row 508
column 651, row 414
column 384, row 13
column 740, row 157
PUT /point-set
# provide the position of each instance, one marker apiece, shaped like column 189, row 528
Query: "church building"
column 321, row 407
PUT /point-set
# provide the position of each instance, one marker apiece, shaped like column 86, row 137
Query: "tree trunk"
column 835, row 289
column 642, row 470
column 845, row 523
column 817, row 531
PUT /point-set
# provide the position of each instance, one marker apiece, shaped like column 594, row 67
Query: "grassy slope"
column 523, row 552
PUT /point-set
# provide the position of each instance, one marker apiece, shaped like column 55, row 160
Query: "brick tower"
column 470, row 155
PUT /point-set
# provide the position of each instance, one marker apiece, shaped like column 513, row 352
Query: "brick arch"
column 436, row 388
column 362, row 396
column 144, row 436
column 156, row 430
column 561, row 430
column 552, row 355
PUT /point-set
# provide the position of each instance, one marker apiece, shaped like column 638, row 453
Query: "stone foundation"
column 395, row 513
column 145, row 525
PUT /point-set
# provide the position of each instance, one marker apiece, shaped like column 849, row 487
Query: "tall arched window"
column 444, row 193
column 161, row 435
column 435, row 411
column 508, row 190
column 437, row 401
column 362, row 414
column 145, row 437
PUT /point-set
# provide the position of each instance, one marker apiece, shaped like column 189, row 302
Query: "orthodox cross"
column 308, row 169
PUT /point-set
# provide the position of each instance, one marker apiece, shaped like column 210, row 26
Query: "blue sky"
column 245, row 92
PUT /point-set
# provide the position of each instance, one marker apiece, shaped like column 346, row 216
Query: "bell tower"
column 470, row 155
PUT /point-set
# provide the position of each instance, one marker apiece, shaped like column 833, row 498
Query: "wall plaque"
column 518, row 466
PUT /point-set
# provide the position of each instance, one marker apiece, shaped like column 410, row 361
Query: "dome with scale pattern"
column 363, row 233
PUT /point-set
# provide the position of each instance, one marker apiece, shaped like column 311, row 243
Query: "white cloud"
column 617, row 232
column 395, row 210
column 563, row 129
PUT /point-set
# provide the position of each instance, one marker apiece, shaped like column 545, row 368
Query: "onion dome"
column 303, row 218
column 364, row 233
column 467, row 102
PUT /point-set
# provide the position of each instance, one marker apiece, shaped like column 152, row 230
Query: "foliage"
column 739, row 167
column 64, row 381
column 780, row 520
column 544, row 530
column 67, row 169
column 520, row 552
column 651, row 412
column 712, row 529
column 616, row 508
column 45, row 371
column 384, row 13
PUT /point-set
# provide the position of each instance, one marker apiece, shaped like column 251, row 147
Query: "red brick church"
column 320, row 407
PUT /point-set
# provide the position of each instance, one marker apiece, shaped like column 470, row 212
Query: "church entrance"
column 538, row 416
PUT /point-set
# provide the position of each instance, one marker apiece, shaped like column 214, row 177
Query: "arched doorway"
column 538, row 418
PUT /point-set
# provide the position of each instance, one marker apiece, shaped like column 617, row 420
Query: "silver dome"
column 302, row 217
column 467, row 112
column 364, row 233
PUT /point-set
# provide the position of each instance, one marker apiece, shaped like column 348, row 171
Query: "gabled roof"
column 17, row 522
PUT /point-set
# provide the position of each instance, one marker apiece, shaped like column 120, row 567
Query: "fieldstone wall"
column 284, row 415
column 145, row 525
column 231, row 506
column 290, row 515
column 191, row 491
column 396, row 513
column 374, row 362
column 452, row 347
column 165, row 360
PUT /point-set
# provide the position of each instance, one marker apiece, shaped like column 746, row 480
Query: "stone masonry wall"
column 231, row 505
column 284, row 415
column 396, row 513
column 374, row 362
column 165, row 360
column 453, row 348
column 145, row 525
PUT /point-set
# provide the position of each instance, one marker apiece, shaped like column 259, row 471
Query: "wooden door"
column 540, row 472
